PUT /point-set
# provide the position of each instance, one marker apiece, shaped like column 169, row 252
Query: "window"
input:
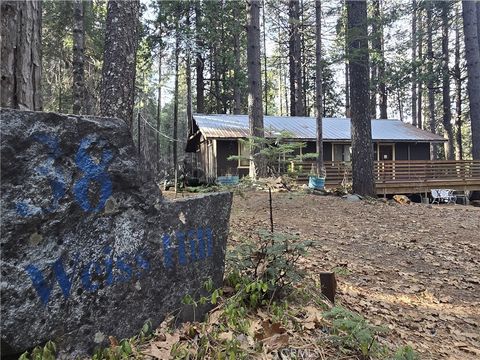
column 244, row 154
column 341, row 152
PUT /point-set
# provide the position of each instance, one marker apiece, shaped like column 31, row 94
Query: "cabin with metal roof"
column 215, row 138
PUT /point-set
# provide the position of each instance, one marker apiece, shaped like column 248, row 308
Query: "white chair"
column 443, row 195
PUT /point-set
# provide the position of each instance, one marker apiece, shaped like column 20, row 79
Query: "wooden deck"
column 403, row 176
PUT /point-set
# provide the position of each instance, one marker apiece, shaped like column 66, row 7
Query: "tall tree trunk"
column 472, row 50
column 199, row 61
column 347, row 90
column 318, row 86
column 78, row 57
column 21, row 65
column 118, row 72
column 216, row 81
column 291, row 59
column 159, row 105
column 303, row 65
column 414, row 63
column 420, row 71
column 373, row 90
column 255, row 108
column 376, row 42
column 379, row 49
column 265, row 82
column 430, row 82
column 237, row 94
column 362, row 148
column 175, row 105
column 347, row 73
column 188, row 76
column 295, row 52
column 447, row 111
column 458, row 90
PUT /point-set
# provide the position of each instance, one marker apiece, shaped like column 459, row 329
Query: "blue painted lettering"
column 91, row 269
column 42, row 287
column 167, row 252
column 181, row 248
column 92, row 172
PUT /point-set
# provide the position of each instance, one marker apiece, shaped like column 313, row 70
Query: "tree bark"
column 458, row 90
column 295, row 57
column 118, row 72
column 255, row 106
column 382, row 88
column 159, row 105
column 175, row 105
column 237, row 94
column 472, row 54
column 188, row 76
column 414, row 63
column 447, row 112
column 347, row 90
column 78, row 57
column 21, row 54
column 362, row 148
column 430, row 82
column 420, row 71
column 265, row 82
column 199, row 61
column 376, row 50
column 318, row 86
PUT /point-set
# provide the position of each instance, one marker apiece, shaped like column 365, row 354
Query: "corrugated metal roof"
column 236, row 126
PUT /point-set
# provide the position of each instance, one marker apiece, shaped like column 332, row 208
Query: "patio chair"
column 443, row 195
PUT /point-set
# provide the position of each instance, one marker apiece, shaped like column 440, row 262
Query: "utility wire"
column 158, row 132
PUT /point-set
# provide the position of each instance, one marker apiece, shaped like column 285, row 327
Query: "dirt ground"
column 412, row 268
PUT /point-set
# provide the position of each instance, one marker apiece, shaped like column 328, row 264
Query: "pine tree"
column 362, row 147
column 472, row 49
column 447, row 112
column 21, row 65
column 78, row 57
column 414, row 63
column 318, row 86
column 255, row 106
column 118, row 73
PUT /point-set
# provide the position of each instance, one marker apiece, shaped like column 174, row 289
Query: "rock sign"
column 87, row 250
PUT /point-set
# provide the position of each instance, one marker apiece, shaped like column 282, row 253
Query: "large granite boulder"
column 89, row 251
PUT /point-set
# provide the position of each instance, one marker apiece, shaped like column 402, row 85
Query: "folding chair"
column 443, row 195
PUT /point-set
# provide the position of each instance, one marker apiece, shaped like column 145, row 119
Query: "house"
column 216, row 137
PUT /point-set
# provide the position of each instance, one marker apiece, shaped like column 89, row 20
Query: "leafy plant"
column 352, row 332
column 271, row 261
column 47, row 352
column 405, row 353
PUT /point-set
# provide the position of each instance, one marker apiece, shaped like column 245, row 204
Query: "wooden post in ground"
column 328, row 285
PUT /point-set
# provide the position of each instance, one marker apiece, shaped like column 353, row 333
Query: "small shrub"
column 405, row 353
column 47, row 352
column 352, row 332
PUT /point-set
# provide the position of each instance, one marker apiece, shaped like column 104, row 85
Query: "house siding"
column 218, row 151
column 401, row 151
column 419, row 151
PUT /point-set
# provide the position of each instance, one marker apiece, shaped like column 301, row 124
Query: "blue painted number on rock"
column 51, row 171
column 93, row 172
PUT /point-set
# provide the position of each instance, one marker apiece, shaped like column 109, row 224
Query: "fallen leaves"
column 272, row 335
column 162, row 348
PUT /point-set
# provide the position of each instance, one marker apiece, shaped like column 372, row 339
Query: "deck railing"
column 397, row 171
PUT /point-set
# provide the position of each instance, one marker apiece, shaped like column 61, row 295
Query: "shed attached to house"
column 216, row 137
